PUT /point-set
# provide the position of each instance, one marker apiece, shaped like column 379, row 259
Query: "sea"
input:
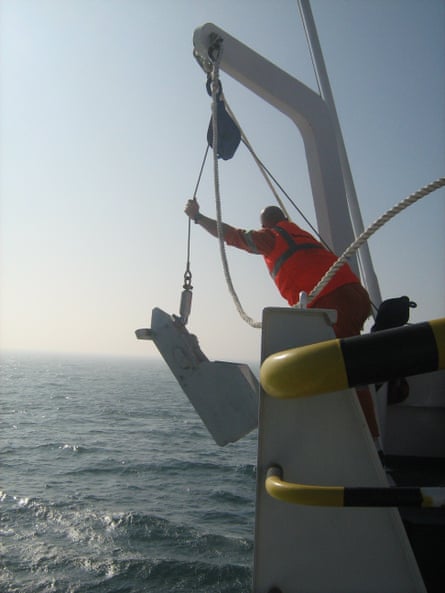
column 110, row 483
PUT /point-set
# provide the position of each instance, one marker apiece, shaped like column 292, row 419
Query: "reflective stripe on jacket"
column 298, row 262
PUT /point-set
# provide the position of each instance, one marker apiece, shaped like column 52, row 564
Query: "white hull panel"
column 322, row 440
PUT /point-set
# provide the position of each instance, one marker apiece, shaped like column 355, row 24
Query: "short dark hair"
column 271, row 215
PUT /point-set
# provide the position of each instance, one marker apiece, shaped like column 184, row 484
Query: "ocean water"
column 109, row 483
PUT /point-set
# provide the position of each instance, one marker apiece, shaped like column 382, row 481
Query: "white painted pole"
column 369, row 276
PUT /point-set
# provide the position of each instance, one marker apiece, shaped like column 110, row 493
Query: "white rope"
column 257, row 161
column 219, row 226
column 411, row 199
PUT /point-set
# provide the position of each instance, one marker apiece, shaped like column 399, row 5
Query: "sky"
column 103, row 122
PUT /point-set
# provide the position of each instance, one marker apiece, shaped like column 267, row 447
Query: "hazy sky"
column 104, row 116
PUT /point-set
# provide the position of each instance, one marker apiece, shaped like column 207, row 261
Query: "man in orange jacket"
column 296, row 262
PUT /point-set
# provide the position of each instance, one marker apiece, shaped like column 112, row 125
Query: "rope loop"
column 219, row 227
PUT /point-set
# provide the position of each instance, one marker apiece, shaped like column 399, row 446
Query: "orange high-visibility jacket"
column 298, row 262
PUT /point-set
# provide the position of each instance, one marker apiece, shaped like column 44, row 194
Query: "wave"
column 111, row 552
column 170, row 575
column 112, row 484
column 139, row 575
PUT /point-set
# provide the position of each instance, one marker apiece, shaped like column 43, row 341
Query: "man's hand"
column 192, row 209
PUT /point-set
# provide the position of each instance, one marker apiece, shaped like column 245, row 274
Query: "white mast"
column 368, row 272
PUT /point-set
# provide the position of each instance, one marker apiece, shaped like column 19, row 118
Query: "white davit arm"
column 306, row 109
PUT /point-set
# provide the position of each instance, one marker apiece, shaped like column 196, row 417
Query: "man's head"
column 270, row 216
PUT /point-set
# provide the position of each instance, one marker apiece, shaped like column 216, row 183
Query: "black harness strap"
column 293, row 248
